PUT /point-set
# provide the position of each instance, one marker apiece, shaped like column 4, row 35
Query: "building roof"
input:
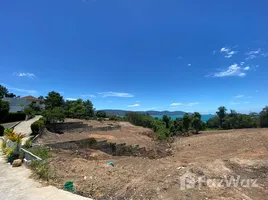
column 31, row 98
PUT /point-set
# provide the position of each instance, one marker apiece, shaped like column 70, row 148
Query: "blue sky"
column 138, row 54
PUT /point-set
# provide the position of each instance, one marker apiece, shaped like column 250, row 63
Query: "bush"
column 14, row 117
column 37, row 126
column 28, row 143
column 54, row 115
column 43, row 119
column 29, row 112
column 2, row 130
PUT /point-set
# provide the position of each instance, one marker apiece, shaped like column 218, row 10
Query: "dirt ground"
column 129, row 134
column 240, row 155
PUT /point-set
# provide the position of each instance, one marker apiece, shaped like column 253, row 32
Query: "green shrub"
column 14, row 117
column 4, row 109
column 28, row 143
column 43, row 119
column 37, row 126
column 2, row 130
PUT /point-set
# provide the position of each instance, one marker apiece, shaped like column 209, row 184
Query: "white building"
column 19, row 104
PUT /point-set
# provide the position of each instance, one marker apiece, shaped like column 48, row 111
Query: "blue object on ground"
column 111, row 163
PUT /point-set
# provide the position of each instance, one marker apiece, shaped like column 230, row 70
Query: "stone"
column 16, row 163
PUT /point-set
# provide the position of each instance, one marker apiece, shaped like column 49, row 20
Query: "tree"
column 178, row 126
column 53, row 100
column 221, row 113
column 213, row 122
column 100, row 114
column 89, row 108
column 41, row 98
column 29, row 111
column 4, row 92
column 4, row 109
column 196, row 122
column 167, row 120
column 54, row 115
column 77, row 109
column 186, row 121
column 35, row 108
column 264, row 117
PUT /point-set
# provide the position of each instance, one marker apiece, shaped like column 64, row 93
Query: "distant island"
column 172, row 114
column 150, row 112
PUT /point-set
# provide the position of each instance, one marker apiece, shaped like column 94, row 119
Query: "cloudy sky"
column 138, row 54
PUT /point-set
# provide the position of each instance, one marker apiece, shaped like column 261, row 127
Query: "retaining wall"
column 102, row 145
column 78, row 127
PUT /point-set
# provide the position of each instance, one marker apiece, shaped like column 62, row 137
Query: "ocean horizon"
column 204, row 118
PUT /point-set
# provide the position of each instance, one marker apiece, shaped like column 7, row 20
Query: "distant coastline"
column 172, row 114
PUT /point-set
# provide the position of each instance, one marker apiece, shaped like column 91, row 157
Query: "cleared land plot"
column 214, row 155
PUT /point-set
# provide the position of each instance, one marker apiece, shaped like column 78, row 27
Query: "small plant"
column 8, row 130
column 14, row 137
column 8, row 151
column 28, row 143
column 4, row 144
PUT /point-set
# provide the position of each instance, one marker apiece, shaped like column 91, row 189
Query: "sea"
column 204, row 118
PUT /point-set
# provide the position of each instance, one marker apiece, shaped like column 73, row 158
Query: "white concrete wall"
column 16, row 104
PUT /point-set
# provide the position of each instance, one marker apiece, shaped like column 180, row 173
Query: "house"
column 19, row 104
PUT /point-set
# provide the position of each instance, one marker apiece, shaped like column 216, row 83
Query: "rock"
column 16, row 163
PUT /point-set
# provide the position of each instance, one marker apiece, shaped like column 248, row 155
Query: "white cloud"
column 29, row 75
column 228, row 52
column 116, row 94
column 71, row 99
column 246, row 102
column 250, row 57
column 179, row 57
column 239, row 96
column 189, row 65
column 184, row 104
column 224, row 49
column 214, row 52
column 134, row 105
column 242, row 63
column 88, row 95
column 233, row 70
column 12, row 89
column 246, row 68
column 252, row 54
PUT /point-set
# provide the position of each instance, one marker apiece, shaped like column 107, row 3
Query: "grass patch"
column 41, row 169
column 40, row 152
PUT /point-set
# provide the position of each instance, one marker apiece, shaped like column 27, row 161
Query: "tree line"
column 234, row 120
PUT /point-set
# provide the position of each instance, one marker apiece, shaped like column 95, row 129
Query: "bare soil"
column 212, row 154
